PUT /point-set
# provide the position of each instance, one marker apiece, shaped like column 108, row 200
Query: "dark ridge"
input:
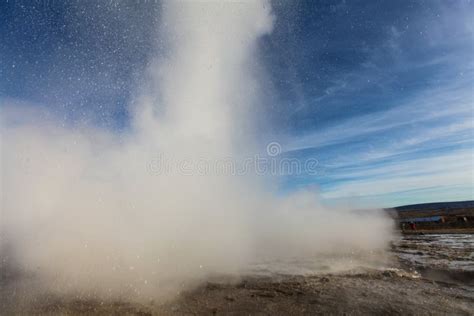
column 436, row 206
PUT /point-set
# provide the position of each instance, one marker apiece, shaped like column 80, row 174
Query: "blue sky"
column 380, row 92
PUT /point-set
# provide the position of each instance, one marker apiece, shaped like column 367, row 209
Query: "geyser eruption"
column 83, row 212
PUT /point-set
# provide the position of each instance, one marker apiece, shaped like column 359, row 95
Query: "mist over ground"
column 83, row 213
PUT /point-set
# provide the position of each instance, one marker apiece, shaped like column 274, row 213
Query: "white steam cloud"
column 82, row 212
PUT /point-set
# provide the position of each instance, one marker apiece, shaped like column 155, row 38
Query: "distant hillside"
column 435, row 218
column 437, row 206
column 460, row 208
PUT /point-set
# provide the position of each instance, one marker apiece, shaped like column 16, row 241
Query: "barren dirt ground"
column 437, row 291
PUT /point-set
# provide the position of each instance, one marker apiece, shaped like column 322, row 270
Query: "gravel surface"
column 433, row 278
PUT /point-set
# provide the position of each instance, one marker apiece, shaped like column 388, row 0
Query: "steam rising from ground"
column 82, row 212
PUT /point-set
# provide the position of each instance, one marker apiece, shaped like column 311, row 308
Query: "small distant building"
column 422, row 219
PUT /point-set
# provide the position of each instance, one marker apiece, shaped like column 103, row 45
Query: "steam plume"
column 82, row 211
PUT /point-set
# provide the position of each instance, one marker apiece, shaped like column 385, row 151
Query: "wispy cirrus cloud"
column 420, row 146
column 405, row 129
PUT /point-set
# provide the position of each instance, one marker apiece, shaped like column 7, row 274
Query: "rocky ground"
column 373, row 292
column 390, row 292
column 369, row 292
